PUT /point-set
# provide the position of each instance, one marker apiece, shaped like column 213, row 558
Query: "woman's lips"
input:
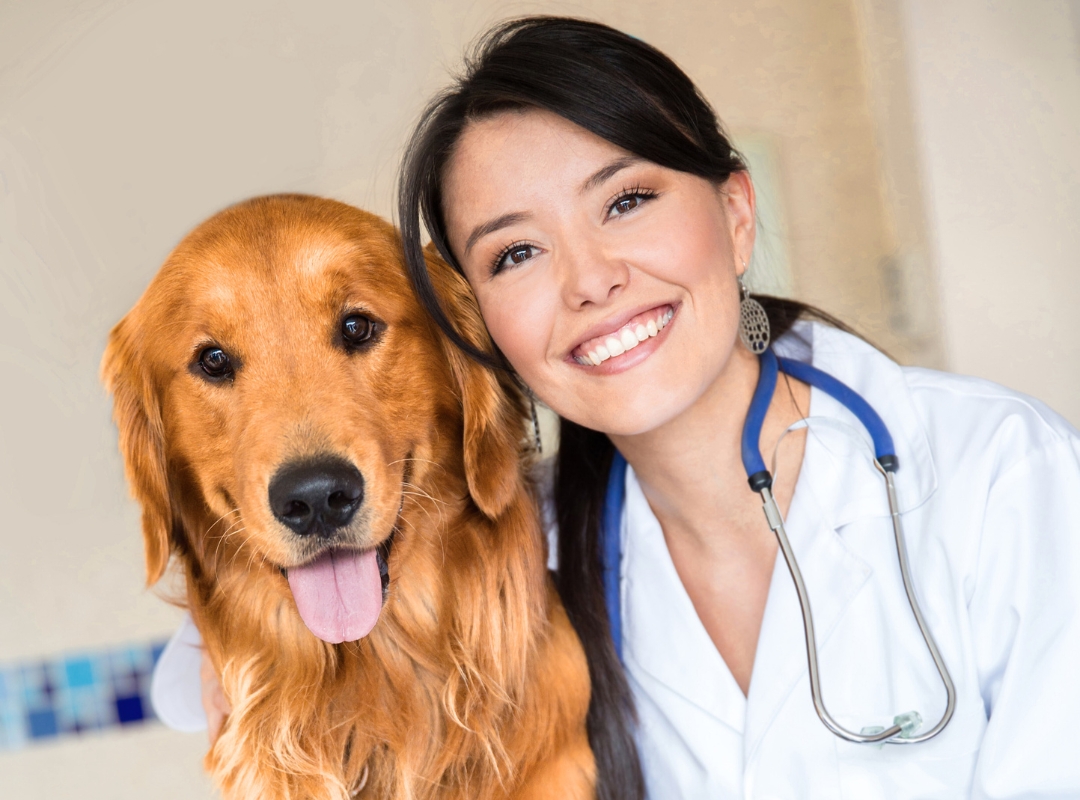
column 638, row 329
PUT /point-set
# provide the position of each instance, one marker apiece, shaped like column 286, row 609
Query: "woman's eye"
column 627, row 203
column 216, row 363
column 357, row 330
column 514, row 255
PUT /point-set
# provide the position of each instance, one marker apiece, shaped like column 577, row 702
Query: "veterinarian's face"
column 609, row 282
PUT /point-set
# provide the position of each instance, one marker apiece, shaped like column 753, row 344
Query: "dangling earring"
column 753, row 321
column 525, row 390
column 537, row 444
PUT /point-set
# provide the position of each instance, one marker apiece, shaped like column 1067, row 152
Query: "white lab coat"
column 989, row 486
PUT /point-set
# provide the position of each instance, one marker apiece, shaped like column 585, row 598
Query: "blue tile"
column 122, row 673
column 42, row 723
column 35, row 685
column 122, row 660
column 16, row 734
column 87, row 708
column 129, row 709
column 79, row 672
column 141, row 659
column 79, row 710
column 12, row 718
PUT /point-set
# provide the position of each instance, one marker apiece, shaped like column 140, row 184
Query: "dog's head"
column 279, row 392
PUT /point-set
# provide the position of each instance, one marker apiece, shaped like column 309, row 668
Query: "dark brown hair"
column 632, row 95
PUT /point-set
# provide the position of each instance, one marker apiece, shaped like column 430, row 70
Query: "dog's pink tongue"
column 339, row 595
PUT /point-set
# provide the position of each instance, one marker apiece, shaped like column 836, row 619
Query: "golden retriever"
column 344, row 491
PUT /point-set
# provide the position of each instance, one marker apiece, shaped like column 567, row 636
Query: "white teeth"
column 626, row 339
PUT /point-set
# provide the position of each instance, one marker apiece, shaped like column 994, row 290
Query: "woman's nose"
column 592, row 277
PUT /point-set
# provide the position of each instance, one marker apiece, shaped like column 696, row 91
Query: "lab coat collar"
column 830, row 493
column 882, row 384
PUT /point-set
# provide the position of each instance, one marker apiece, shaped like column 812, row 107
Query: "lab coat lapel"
column 833, row 577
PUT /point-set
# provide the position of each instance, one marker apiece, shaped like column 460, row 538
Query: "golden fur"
column 473, row 683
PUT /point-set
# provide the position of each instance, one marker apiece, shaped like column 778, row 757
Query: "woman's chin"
column 642, row 410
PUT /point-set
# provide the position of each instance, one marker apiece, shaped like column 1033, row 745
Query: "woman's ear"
column 493, row 409
column 137, row 415
column 740, row 206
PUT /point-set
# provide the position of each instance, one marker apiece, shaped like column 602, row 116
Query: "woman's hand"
column 213, row 698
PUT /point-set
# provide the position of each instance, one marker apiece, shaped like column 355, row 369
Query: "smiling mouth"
column 638, row 329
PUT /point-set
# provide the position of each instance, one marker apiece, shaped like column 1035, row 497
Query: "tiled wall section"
column 75, row 694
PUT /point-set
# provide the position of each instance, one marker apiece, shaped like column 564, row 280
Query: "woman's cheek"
column 511, row 322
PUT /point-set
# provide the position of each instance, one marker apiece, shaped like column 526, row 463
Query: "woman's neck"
column 692, row 474
column 691, row 469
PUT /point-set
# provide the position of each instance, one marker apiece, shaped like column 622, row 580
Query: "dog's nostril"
column 296, row 510
column 317, row 496
column 339, row 500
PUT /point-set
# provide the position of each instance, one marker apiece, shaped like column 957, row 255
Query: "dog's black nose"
column 316, row 497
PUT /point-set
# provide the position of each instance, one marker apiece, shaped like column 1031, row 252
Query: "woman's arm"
column 1025, row 615
column 185, row 690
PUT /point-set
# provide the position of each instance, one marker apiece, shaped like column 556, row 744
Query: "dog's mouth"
column 341, row 593
column 382, row 558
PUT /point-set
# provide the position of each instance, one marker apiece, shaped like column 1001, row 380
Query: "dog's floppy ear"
column 493, row 408
column 137, row 415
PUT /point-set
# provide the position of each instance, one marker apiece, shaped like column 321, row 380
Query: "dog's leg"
column 569, row 775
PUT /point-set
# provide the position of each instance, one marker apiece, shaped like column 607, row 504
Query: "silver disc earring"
column 753, row 322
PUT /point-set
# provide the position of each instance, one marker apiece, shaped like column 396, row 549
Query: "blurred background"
column 918, row 164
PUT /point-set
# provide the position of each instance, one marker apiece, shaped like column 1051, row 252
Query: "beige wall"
column 122, row 124
column 996, row 102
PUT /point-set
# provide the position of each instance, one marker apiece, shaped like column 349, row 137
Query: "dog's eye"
column 357, row 330
column 216, row 363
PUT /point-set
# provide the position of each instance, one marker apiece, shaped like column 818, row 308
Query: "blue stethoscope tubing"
column 905, row 726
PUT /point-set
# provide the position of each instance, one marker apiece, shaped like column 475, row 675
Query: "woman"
column 585, row 189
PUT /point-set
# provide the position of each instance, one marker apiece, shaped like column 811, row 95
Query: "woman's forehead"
column 516, row 156
column 532, row 141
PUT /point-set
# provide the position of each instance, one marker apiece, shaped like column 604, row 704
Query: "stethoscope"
column 905, row 726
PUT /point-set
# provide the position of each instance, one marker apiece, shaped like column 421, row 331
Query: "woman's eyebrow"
column 493, row 225
column 604, row 173
column 514, row 217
